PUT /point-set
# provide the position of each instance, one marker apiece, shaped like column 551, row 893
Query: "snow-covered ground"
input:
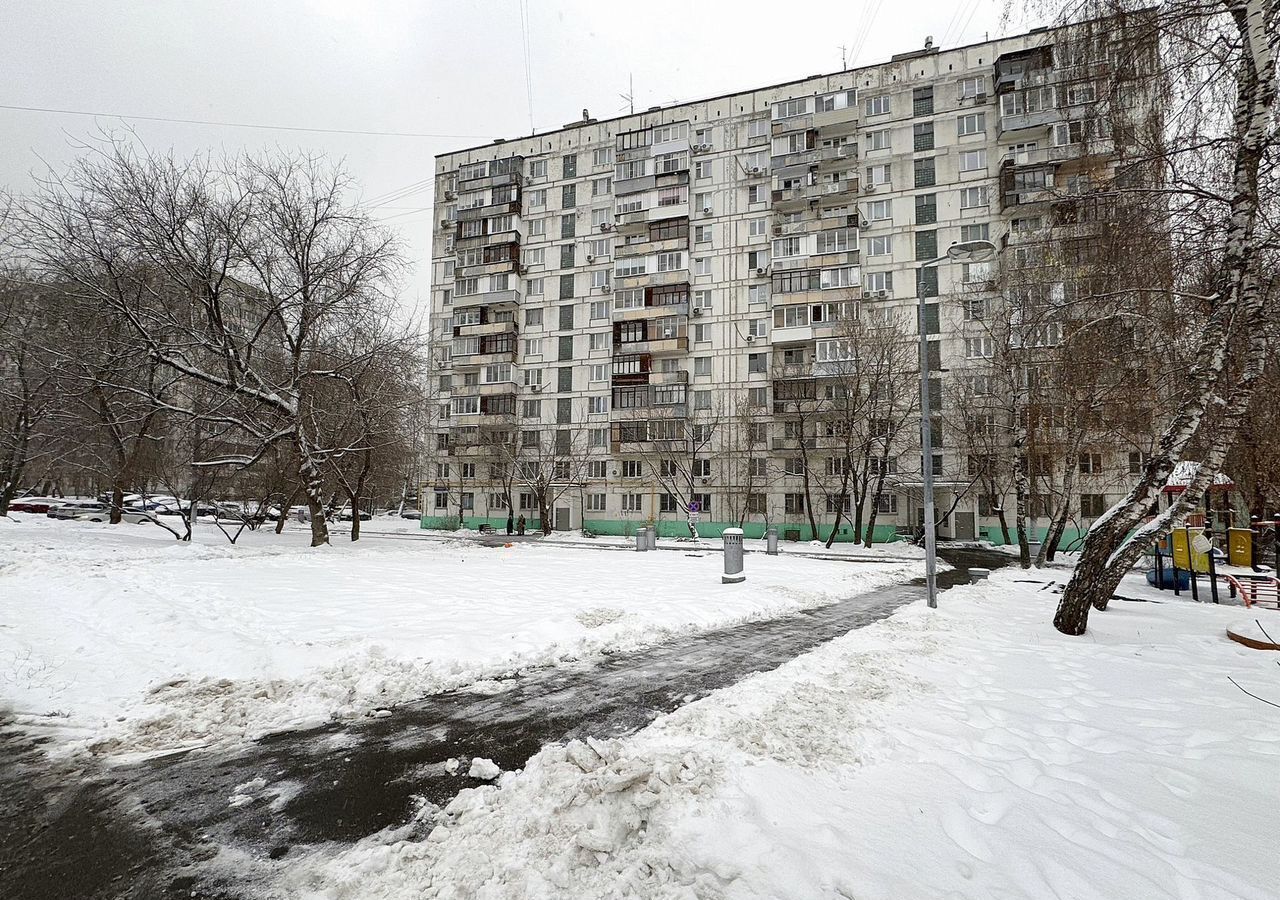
column 970, row 751
column 126, row 640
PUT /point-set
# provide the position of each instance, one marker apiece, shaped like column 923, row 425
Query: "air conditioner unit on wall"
column 762, row 270
column 697, row 311
column 750, row 339
column 755, row 170
column 869, row 188
column 606, row 226
column 707, row 210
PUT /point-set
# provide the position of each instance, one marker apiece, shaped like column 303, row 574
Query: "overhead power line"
column 104, row 115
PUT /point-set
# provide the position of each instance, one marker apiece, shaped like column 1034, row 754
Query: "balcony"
column 510, row 297
column 651, row 279
column 1029, row 119
column 472, row 177
column 645, row 248
column 843, row 153
column 655, row 346
column 794, row 334
column 497, row 389
column 786, row 126
column 509, row 236
column 484, row 328
column 485, row 358
column 493, row 209
column 628, row 221
column 495, row 259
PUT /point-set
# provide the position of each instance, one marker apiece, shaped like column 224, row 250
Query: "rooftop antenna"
column 844, row 57
column 630, row 96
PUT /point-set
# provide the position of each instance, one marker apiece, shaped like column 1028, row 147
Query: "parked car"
column 410, row 513
column 129, row 516
column 345, row 516
column 35, row 504
column 73, row 509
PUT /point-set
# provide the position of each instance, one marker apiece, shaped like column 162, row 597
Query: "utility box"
column 771, row 540
column 733, row 557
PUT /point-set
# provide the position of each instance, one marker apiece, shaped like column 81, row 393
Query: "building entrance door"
column 562, row 518
column 965, row 530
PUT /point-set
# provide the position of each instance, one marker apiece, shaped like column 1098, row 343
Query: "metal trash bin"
column 653, row 537
column 977, row 574
column 733, row 557
column 642, row 541
column 771, row 538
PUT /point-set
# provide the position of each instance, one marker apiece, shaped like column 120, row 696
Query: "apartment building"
column 626, row 311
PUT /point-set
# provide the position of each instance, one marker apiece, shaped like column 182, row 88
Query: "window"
column 842, row 277
column 701, row 235
column 757, row 363
column 1092, row 505
column 979, row 348
column 973, row 160
column 602, row 156
column 879, row 282
column 533, row 346
column 880, row 210
column 569, row 166
column 758, row 293
column 757, row 193
column 702, row 299
column 975, row 232
column 531, row 409
column 922, row 136
column 878, row 106
column 971, row 123
column 702, row 266
column 922, row 101
column 537, row 227
column 924, row 171
column 565, row 347
column 975, row 309
column 1067, row 133
column 878, row 174
column 632, row 503
column 701, row 334
column 793, row 504
column 757, row 128
column 887, row 504
column 599, row 341
column 597, row 406
column 789, row 108
column 670, row 262
column 537, row 168
column 973, row 197
column 532, row 377
column 880, row 246
column 632, row 468
column 972, row 86
column 537, row 198
column 926, row 245
column 878, row 140
column 755, row 227
column 757, row 397
column 567, row 226
column 926, row 209
column 600, row 308
column 595, row 502
column 1090, row 463
column 837, row 240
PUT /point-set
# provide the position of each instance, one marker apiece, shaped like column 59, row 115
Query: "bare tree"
column 249, row 280
column 1201, row 155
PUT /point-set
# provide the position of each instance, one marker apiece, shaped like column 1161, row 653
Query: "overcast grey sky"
column 454, row 69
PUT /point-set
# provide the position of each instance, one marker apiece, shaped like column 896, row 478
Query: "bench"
column 485, row 529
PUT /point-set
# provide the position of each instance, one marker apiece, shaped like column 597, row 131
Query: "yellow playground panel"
column 1186, row 555
column 1240, row 547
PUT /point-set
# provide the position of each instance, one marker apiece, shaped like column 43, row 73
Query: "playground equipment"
column 1191, row 549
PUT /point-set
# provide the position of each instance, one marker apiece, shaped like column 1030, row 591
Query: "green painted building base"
column 1071, row 537
column 473, row 523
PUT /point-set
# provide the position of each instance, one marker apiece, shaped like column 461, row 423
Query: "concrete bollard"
column 771, row 539
column 977, row 574
column 733, row 557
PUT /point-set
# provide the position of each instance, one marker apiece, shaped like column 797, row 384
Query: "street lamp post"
column 963, row 251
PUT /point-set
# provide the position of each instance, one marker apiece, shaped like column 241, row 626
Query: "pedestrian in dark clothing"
column 510, row 523
column 520, row 525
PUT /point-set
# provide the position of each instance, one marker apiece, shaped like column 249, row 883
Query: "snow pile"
column 965, row 752
column 133, row 642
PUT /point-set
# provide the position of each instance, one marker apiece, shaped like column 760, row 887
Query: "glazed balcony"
column 509, row 297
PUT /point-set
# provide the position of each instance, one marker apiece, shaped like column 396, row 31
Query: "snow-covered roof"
column 1186, row 470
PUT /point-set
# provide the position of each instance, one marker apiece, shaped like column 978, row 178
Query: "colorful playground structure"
column 1209, row 544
